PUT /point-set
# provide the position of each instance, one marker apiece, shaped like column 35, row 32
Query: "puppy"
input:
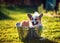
column 35, row 20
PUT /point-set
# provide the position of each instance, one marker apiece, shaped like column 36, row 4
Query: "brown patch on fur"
column 25, row 23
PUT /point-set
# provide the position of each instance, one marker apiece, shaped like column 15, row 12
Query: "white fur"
column 36, row 14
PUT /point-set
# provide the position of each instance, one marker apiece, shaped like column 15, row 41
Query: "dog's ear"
column 29, row 15
column 40, row 16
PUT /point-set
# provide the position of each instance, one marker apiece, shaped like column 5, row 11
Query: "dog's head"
column 36, row 18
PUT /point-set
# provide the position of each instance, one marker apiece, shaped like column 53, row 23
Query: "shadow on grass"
column 4, row 16
column 29, row 9
column 38, row 40
column 33, row 37
column 23, row 9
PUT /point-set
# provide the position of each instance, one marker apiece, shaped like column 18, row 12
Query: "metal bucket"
column 27, row 33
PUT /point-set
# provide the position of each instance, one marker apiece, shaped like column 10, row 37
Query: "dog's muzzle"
column 35, row 23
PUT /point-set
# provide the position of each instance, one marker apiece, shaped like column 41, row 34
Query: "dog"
column 35, row 20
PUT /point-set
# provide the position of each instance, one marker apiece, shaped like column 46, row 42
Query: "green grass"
column 51, row 27
column 9, row 34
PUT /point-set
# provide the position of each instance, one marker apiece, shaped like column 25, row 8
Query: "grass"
column 9, row 34
column 51, row 27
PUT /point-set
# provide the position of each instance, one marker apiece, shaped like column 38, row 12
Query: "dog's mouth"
column 34, row 23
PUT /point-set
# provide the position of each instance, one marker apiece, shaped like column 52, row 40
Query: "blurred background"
column 12, row 11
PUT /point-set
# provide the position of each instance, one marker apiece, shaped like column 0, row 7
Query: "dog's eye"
column 32, row 18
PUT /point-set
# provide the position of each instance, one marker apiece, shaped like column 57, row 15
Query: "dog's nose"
column 35, row 19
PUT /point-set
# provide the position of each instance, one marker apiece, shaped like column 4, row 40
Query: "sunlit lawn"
column 9, row 34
